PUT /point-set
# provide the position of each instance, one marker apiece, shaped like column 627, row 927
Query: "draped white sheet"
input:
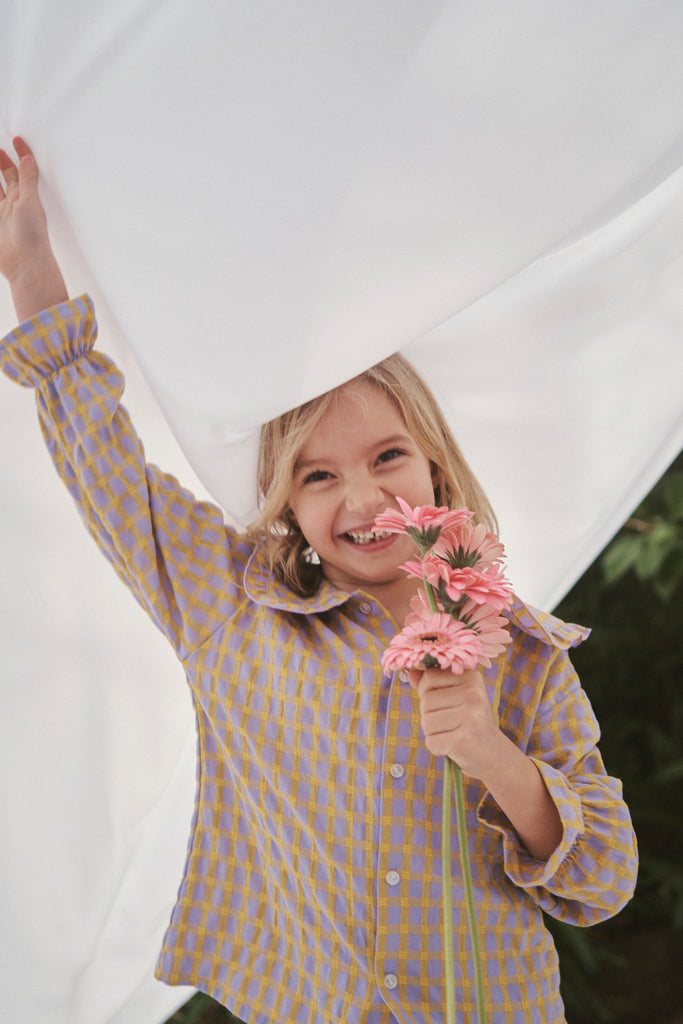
column 264, row 199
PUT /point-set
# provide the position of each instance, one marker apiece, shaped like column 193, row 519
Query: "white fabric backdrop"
column 265, row 199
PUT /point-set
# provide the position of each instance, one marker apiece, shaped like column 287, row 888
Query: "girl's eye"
column 315, row 476
column 389, row 454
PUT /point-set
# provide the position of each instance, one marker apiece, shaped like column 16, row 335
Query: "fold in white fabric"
column 264, row 200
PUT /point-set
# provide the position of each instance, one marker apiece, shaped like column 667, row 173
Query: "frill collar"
column 545, row 627
column 264, row 589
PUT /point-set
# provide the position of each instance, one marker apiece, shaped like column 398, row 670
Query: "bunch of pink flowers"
column 456, row 622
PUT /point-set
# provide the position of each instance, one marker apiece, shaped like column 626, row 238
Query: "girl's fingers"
column 9, row 172
column 28, row 167
column 22, row 147
column 414, row 677
column 26, row 173
column 6, row 163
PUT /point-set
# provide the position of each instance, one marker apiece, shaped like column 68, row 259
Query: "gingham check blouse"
column 312, row 885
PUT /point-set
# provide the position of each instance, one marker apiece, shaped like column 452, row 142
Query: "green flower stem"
column 467, row 881
column 449, row 967
column 453, row 780
column 431, row 596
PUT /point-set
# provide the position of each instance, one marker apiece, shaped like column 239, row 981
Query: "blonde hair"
column 275, row 529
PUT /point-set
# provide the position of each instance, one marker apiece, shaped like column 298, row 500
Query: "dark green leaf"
column 620, row 556
column 670, row 574
column 672, row 491
column 654, row 547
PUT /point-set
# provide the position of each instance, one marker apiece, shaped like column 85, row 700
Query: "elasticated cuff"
column 49, row 341
column 520, row 867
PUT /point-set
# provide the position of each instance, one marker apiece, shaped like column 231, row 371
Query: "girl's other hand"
column 26, row 257
column 457, row 719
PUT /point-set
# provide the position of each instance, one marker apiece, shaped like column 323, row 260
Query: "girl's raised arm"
column 174, row 553
column 26, row 256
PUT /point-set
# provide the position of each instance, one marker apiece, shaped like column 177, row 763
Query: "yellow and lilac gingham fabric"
column 312, row 886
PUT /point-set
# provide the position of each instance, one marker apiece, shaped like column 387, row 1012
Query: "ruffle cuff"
column 520, row 867
column 49, row 341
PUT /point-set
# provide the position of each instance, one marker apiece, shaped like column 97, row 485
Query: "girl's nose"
column 364, row 497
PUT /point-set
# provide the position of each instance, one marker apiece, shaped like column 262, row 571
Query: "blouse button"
column 390, row 980
column 397, row 771
column 403, row 676
column 392, row 877
column 365, row 607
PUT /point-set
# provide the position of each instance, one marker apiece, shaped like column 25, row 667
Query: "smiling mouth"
column 361, row 537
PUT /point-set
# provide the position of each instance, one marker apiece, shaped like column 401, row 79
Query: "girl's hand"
column 23, row 225
column 26, row 257
column 457, row 720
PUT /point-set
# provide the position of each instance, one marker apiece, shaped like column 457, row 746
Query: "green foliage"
column 581, row 964
column 631, row 668
column 202, row 1009
column 651, row 543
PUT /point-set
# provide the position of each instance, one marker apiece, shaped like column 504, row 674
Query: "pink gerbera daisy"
column 490, row 627
column 469, row 545
column 423, row 524
column 434, row 640
column 487, row 586
column 484, row 586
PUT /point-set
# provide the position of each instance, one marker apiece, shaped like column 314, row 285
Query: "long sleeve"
column 175, row 554
column 592, row 873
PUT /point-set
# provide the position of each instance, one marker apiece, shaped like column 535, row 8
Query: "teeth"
column 367, row 537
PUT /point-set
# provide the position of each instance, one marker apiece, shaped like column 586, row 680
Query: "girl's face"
column 359, row 457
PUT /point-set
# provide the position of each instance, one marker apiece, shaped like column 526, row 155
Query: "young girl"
column 312, row 886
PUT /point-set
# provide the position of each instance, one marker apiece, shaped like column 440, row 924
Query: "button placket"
column 392, row 882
